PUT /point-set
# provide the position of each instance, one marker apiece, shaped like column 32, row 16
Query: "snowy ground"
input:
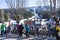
column 31, row 38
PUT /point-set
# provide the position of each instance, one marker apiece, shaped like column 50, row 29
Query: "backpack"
column 18, row 26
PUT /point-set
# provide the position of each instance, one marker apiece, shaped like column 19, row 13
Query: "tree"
column 28, row 14
column 45, row 2
column 53, row 3
column 16, row 7
column 17, row 17
column 11, row 4
column 0, row 16
column 6, row 17
column 50, row 5
column 58, row 12
column 45, row 15
column 0, row 13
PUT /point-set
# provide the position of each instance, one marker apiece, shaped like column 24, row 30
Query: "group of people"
column 54, row 27
column 21, row 28
column 5, row 30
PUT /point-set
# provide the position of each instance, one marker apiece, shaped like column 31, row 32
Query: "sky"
column 3, row 4
column 29, row 3
column 36, row 2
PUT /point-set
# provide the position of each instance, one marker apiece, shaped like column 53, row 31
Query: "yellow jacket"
column 58, row 28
